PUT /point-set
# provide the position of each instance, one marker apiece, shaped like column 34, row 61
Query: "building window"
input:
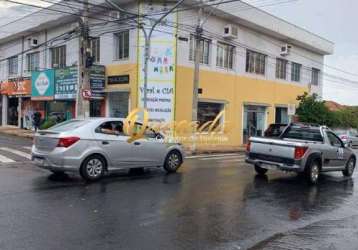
column 281, row 68
column 208, row 111
column 13, row 65
column 225, row 55
column 255, row 62
column 122, row 45
column 204, row 50
column 95, row 49
column 33, row 61
column 58, row 57
column 315, row 76
column 296, row 72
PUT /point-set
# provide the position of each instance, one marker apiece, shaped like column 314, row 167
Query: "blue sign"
column 43, row 84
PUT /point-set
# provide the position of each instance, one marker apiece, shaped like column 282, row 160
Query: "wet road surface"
column 212, row 202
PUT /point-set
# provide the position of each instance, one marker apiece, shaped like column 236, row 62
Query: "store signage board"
column 97, row 81
column 43, row 84
column 16, row 88
column 66, row 80
column 161, row 69
column 119, row 79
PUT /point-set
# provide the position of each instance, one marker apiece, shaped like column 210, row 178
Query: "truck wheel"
column 350, row 166
column 259, row 170
column 312, row 172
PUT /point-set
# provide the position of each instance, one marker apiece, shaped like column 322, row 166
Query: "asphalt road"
column 213, row 202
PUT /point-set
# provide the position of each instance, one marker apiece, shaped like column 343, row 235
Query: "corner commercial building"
column 253, row 64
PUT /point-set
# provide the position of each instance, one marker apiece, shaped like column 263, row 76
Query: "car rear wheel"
column 92, row 169
column 313, row 172
column 259, row 170
column 350, row 166
column 173, row 161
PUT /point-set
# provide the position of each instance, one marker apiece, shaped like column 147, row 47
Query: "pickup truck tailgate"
column 273, row 150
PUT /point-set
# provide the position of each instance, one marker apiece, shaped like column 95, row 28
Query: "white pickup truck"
column 302, row 148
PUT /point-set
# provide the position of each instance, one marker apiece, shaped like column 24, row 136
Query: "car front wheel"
column 92, row 169
column 173, row 161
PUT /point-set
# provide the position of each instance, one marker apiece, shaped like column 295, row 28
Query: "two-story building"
column 253, row 64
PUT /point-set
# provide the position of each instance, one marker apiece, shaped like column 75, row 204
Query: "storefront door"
column 281, row 115
column 12, row 115
column 254, row 121
column 95, row 108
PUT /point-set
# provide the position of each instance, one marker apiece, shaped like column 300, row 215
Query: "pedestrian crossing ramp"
column 13, row 155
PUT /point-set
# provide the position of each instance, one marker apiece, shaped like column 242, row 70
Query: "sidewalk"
column 12, row 130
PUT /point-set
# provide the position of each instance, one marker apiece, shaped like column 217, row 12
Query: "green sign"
column 66, row 83
column 43, row 84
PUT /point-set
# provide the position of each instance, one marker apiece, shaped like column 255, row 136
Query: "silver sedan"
column 93, row 147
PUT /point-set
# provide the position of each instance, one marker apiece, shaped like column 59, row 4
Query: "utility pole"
column 197, row 59
column 82, row 104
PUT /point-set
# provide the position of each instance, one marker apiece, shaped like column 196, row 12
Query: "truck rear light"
column 300, row 152
column 67, row 141
column 248, row 147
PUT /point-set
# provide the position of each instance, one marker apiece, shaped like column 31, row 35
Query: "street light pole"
column 147, row 38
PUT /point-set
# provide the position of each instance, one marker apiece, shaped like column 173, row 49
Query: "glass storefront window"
column 208, row 111
column 118, row 104
column 281, row 116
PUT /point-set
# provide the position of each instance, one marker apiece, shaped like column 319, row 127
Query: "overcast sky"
column 335, row 20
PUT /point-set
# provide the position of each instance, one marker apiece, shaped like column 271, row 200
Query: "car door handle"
column 136, row 143
column 105, row 142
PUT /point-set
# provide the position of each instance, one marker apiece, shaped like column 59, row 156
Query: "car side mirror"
column 158, row 136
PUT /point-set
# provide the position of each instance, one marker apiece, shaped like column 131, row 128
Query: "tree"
column 313, row 110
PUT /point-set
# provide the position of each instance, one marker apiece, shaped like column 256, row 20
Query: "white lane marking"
column 17, row 152
column 222, row 158
column 4, row 159
column 207, row 156
column 28, row 148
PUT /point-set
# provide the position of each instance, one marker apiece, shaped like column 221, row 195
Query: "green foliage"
column 48, row 124
column 313, row 110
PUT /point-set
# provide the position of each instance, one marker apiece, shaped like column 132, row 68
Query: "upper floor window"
column 13, row 65
column 204, row 49
column 296, row 72
column 281, row 68
column 58, row 57
column 315, row 76
column 255, row 62
column 122, row 45
column 33, row 61
column 225, row 55
column 95, row 49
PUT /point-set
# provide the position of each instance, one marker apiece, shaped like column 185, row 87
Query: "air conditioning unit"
column 230, row 31
column 285, row 50
column 115, row 14
column 33, row 42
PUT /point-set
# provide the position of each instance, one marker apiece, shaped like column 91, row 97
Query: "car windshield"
column 300, row 133
column 340, row 132
column 67, row 125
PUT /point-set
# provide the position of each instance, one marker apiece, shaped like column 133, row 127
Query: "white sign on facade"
column 161, row 69
column 291, row 110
